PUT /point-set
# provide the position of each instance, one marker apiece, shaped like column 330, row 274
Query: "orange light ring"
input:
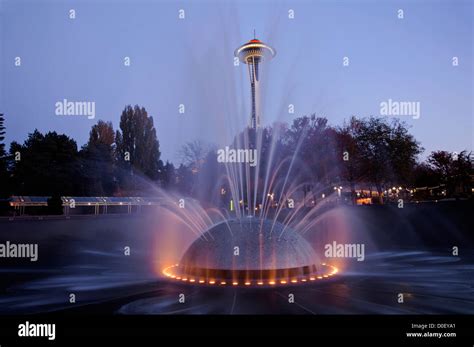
column 170, row 273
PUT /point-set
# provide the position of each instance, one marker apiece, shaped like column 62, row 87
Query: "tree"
column 404, row 150
column 98, row 160
column 424, row 176
column 314, row 142
column 387, row 151
column 102, row 133
column 184, row 180
column 3, row 160
column 463, row 171
column 193, row 154
column 453, row 170
column 349, row 155
column 441, row 163
column 168, row 175
column 2, row 134
column 207, row 179
column 137, row 148
column 45, row 165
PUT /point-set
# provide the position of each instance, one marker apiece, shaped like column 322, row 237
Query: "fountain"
column 248, row 252
column 251, row 246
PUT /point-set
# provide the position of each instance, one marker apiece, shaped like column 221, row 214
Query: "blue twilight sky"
column 190, row 61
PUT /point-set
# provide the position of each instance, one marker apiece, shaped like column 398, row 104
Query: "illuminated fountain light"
column 270, row 254
column 330, row 271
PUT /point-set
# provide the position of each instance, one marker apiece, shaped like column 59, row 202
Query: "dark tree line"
column 364, row 153
column 110, row 163
column 375, row 153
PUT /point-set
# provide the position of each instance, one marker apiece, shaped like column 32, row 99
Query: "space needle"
column 253, row 53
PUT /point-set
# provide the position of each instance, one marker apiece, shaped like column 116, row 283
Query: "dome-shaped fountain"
column 249, row 251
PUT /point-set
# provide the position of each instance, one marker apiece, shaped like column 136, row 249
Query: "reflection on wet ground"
column 431, row 283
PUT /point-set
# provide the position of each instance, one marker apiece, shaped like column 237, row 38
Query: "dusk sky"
column 190, row 61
